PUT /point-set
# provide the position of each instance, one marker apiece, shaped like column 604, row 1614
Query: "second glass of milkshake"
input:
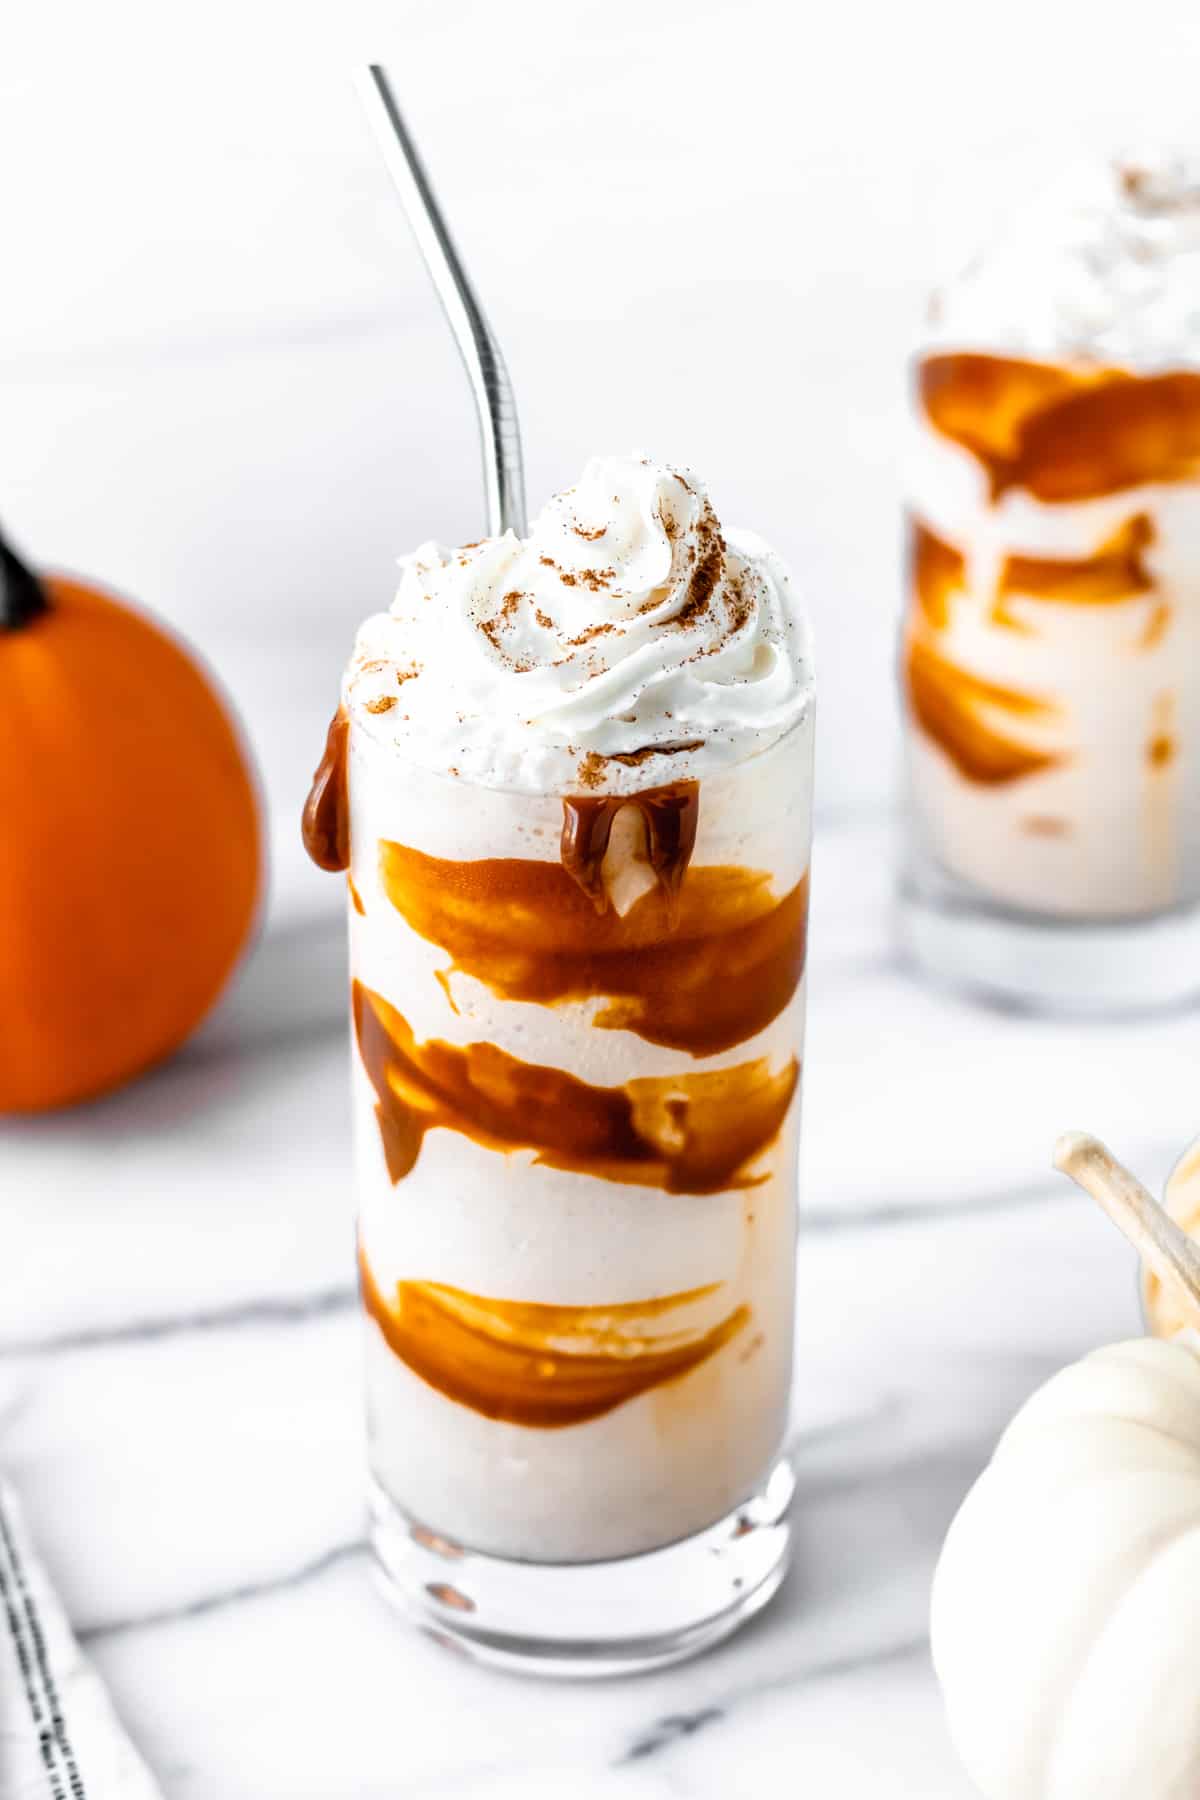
column 1051, row 647
column 570, row 780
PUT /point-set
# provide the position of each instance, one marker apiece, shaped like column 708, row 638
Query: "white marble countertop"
column 179, row 1403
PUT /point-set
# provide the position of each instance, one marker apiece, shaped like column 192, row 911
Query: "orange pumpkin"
column 130, row 851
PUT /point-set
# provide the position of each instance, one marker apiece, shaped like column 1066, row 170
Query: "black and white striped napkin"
column 59, row 1736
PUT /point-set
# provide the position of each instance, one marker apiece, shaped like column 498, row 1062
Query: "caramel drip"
column 985, row 402
column 670, row 815
column 1064, row 434
column 356, row 899
column 686, row 1134
column 1156, row 625
column 541, row 1366
column 715, row 974
column 325, row 825
column 937, row 571
column 964, row 716
column 1116, row 571
column 1163, row 747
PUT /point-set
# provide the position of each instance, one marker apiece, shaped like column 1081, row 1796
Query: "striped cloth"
column 59, row 1736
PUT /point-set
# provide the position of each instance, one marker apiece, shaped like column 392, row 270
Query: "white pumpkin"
column 1066, row 1601
column 1165, row 1313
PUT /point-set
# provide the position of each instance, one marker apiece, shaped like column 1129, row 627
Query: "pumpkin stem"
column 22, row 596
column 1165, row 1249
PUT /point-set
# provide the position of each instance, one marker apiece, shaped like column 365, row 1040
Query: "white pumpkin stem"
column 1165, row 1249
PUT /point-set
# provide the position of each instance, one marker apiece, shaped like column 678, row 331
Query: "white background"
column 701, row 228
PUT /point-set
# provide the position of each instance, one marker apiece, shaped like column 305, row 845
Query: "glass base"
column 581, row 1621
column 1045, row 964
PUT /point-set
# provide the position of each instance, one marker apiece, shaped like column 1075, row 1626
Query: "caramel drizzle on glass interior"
column 703, row 961
column 976, row 723
column 670, row 815
column 1064, row 435
column 543, row 1366
column 698, row 1133
column 700, row 971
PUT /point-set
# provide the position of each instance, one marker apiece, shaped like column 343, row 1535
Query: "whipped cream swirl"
column 627, row 641
column 1104, row 266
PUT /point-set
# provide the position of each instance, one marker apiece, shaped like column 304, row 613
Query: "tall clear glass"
column 1051, row 678
column 576, row 1077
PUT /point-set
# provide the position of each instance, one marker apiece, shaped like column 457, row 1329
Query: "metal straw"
column 501, row 435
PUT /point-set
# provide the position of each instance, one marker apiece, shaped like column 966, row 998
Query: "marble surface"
column 179, row 1376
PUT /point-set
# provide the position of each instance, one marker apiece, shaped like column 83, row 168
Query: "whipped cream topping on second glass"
column 626, row 630
column 1104, row 265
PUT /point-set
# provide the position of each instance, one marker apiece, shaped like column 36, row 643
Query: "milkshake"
column 1051, row 645
column 570, row 784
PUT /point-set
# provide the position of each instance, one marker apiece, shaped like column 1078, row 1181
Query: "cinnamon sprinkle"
column 740, row 605
column 491, row 631
column 593, row 631
column 595, row 578
column 710, row 563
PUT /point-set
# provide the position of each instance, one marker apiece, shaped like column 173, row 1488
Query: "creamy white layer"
column 679, row 1456
column 1113, row 828
column 626, row 622
column 655, row 1469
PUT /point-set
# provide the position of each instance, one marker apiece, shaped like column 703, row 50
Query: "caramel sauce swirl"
column 686, row 1134
column 670, row 815
column 325, row 825
column 937, row 572
column 1064, row 434
column 966, row 717
column 541, row 1366
column 985, row 402
column 1116, row 571
column 701, row 972
column 977, row 723
column 974, row 722
column 1113, row 572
